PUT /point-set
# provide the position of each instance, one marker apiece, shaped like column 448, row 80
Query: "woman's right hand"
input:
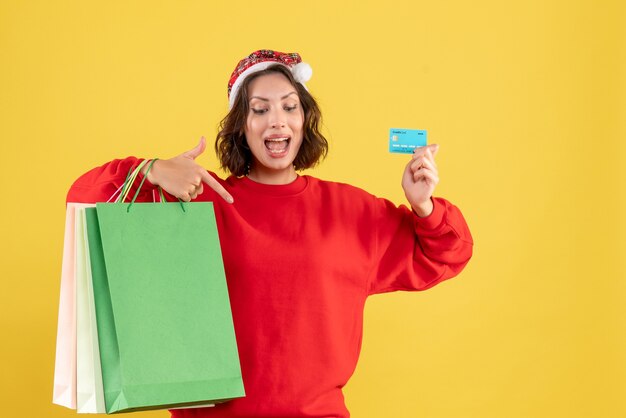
column 183, row 178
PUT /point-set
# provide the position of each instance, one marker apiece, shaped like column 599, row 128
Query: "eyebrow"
column 267, row 100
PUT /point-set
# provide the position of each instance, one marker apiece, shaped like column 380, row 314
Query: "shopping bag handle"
column 130, row 179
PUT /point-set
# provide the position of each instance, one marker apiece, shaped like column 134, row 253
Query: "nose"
column 277, row 120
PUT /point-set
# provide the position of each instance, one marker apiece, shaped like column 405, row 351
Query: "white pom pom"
column 302, row 72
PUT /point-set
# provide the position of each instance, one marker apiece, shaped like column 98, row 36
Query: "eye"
column 258, row 111
column 291, row 108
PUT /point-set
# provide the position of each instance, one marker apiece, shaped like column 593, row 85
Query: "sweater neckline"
column 293, row 188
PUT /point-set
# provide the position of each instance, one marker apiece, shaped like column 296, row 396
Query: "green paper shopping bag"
column 164, row 323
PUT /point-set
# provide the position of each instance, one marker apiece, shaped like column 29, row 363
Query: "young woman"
column 301, row 254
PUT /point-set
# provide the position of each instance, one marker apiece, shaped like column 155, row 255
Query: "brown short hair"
column 231, row 145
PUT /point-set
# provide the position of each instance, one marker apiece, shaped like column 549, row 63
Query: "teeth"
column 277, row 146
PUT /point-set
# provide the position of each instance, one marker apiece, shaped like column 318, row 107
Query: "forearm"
column 423, row 210
column 444, row 235
column 100, row 183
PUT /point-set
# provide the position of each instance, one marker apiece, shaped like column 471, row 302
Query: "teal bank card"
column 404, row 141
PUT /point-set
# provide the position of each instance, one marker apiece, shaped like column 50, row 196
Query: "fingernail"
column 230, row 199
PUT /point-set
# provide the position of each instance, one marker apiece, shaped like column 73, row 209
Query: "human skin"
column 273, row 129
column 274, row 135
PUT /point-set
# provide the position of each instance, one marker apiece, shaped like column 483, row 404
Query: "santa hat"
column 259, row 61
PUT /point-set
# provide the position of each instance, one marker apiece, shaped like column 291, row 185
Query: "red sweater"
column 300, row 261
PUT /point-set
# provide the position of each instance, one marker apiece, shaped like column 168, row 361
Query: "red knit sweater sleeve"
column 416, row 253
column 100, row 183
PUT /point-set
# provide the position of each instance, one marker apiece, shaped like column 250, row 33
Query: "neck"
column 272, row 176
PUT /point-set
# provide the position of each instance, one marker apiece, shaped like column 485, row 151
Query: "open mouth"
column 277, row 145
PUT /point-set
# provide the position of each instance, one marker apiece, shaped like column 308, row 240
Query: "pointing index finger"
column 215, row 185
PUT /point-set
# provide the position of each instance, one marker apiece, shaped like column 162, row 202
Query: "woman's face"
column 273, row 128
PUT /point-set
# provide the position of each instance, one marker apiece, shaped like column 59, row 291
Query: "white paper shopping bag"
column 89, row 390
column 64, row 392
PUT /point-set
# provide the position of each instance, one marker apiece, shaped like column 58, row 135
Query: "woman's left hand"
column 420, row 178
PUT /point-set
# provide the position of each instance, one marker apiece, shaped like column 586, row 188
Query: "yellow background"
column 526, row 99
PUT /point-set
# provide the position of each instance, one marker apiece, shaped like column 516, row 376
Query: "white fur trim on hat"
column 302, row 73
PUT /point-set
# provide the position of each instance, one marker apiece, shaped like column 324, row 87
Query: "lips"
column 277, row 144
